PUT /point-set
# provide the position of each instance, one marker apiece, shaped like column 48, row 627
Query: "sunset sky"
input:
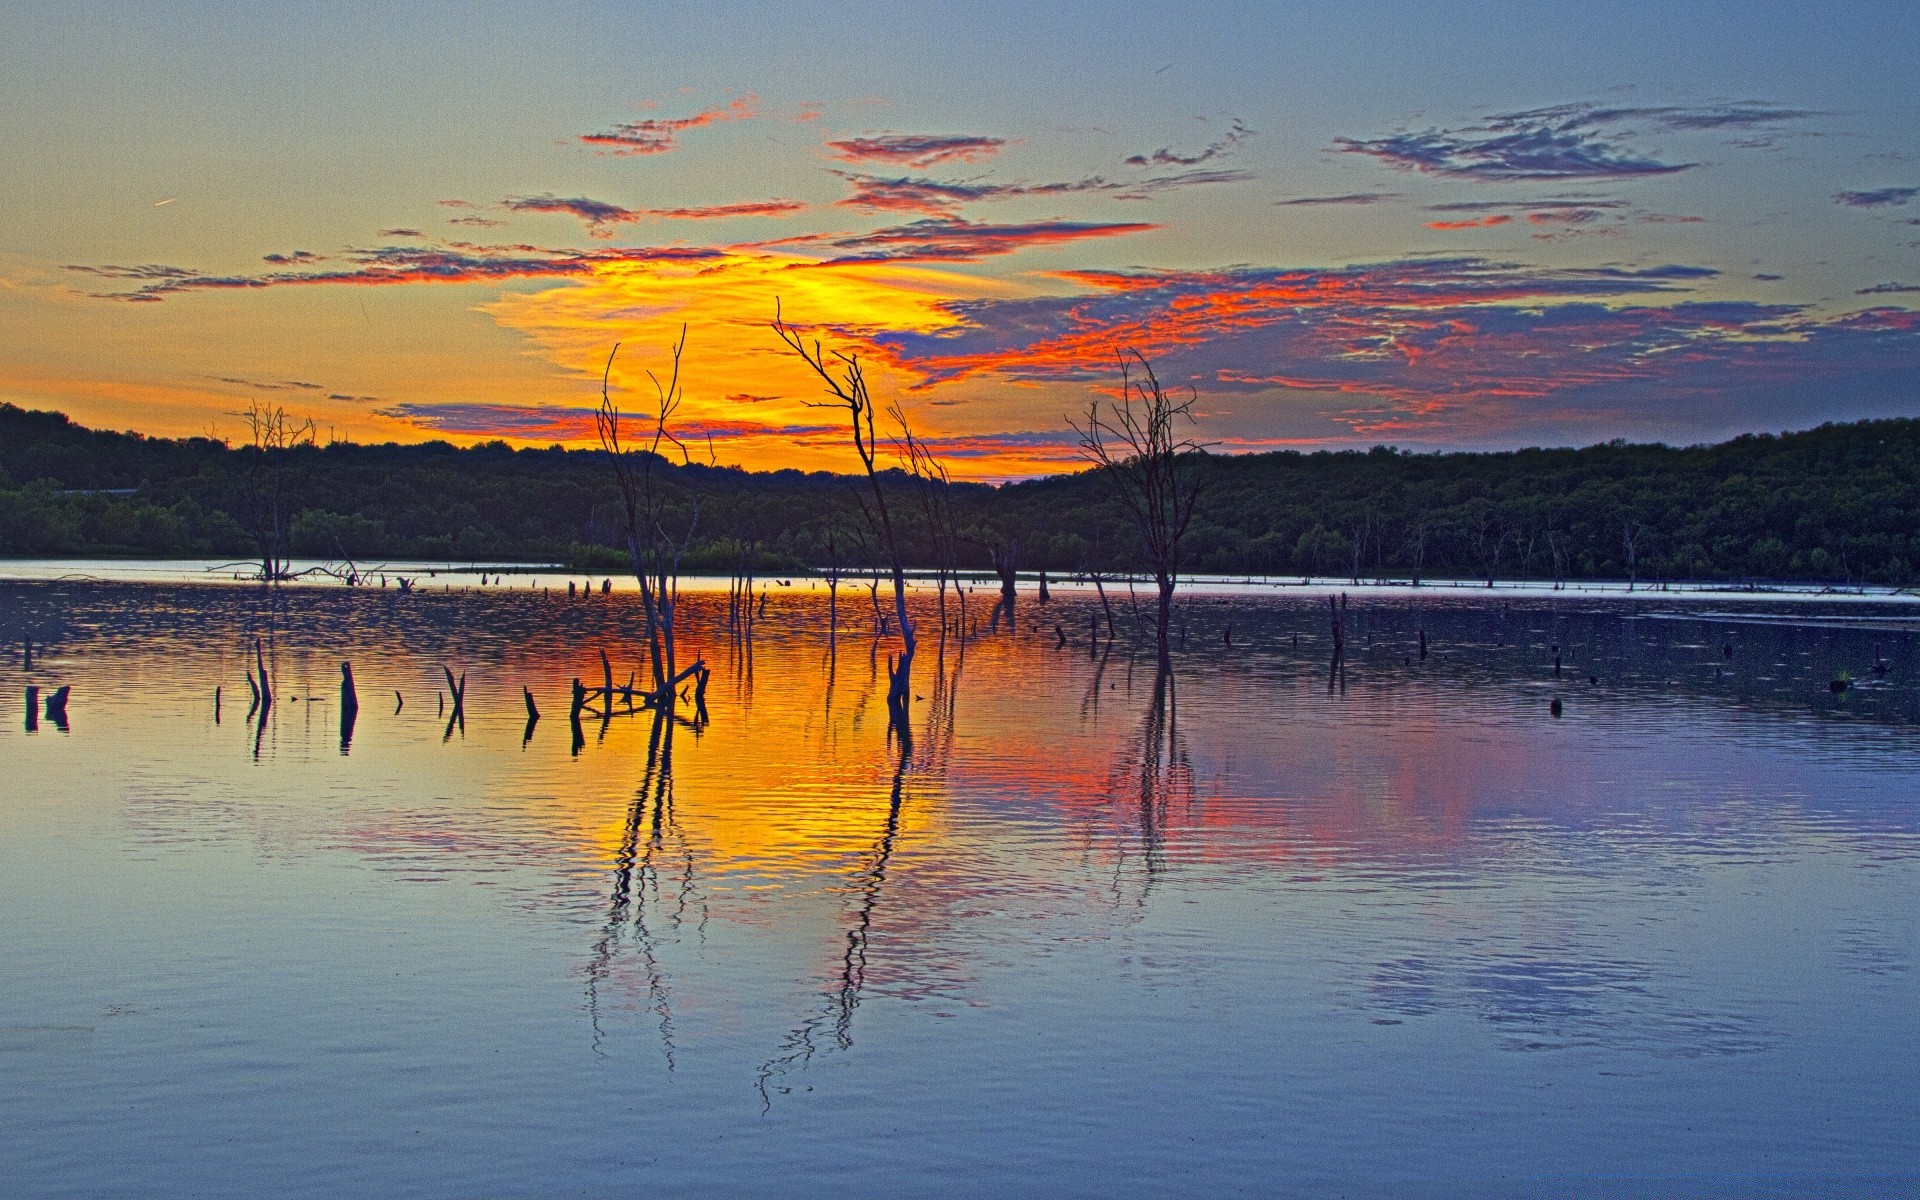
column 1467, row 225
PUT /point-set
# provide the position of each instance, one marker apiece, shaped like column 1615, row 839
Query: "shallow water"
column 1250, row 927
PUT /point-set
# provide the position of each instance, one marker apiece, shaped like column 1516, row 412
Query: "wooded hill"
column 1840, row 503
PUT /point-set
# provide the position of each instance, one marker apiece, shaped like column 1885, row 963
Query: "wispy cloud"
column 294, row 259
column 1486, row 222
column 1345, row 198
column 1888, row 289
column 952, row 239
column 941, row 198
column 1886, row 197
column 920, row 150
column 1166, row 157
column 1529, row 154
column 600, row 216
column 658, row 135
column 1545, row 202
column 574, row 423
column 456, row 262
column 273, row 385
column 1566, row 141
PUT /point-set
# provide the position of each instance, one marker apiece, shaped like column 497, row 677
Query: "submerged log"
column 533, row 713
column 33, row 708
column 57, row 703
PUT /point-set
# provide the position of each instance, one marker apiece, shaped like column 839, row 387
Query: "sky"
column 1425, row 225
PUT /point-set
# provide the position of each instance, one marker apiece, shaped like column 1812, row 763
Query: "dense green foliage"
column 1838, row 503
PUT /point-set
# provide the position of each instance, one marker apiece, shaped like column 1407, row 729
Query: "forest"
column 1838, row 504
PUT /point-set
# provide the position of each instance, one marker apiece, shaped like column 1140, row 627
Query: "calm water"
column 1250, row 928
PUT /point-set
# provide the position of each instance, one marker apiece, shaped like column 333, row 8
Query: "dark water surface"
column 1248, row 928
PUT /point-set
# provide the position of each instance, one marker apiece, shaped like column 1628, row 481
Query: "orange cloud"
column 1490, row 219
column 658, row 135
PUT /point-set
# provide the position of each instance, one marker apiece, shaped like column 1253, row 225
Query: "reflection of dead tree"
column 846, row 382
column 644, row 844
column 1154, row 470
column 654, row 552
column 1157, row 772
column 843, row 998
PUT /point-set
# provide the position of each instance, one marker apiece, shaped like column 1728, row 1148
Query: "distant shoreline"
column 530, row 576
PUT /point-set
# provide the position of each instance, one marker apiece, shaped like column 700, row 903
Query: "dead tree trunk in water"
column 846, row 382
column 655, row 554
column 1154, row 470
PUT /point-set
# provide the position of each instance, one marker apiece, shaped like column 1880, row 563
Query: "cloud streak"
column 1565, row 142
column 1165, row 157
column 600, row 216
column 660, row 135
column 457, row 262
column 1346, row 198
column 873, row 193
column 952, row 239
column 916, row 150
column 1886, row 197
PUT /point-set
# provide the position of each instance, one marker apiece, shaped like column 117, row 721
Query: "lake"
column 1459, row 923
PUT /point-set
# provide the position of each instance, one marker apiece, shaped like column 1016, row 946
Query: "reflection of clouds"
column 1545, row 1001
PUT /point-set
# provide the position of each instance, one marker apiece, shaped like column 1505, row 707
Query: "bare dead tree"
column 270, row 483
column 846, row 383
column 1135, row 441
column 654, row 552
column 934, row 487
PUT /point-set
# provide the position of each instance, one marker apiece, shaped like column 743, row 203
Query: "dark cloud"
column 407, row 233
column 658, row 135
column 1888, row 289
column 1164, row 157
column 596, row 213
column 1886, row 197
column 1345, row 198
column 294, row 259
column 915, row 149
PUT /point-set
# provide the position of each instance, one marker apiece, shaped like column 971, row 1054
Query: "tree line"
column 1840, row 504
